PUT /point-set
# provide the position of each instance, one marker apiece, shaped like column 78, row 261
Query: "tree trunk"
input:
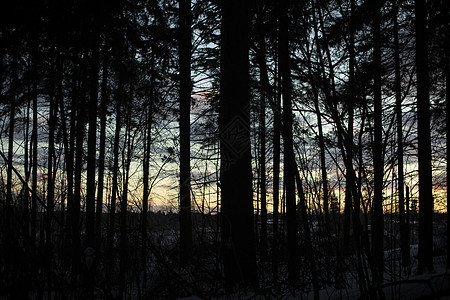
column 69, row 146
column 447, row 119
column 146, row 194
column 349, row 178
column 407, row 215
column 50, row 191
column 323, row 165
column 185, row 124
column 264, row 90
column 322, row 149
column 425, row 255
column 276, row 182
column 146, row 175
column 79, row 135
column 329, row 91
column 34, row 137
column 289, row 171
column 114, row 190
column 238, row 241
column 124, row 260
column 59, row 100
column 378, row 165
column 9, row 230
column 102, row 145
column 119, row 98
column 66, row 218
column 92, row 139
column 26, row 194
column 404, row 233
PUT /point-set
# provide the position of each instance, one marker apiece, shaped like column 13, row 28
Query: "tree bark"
column 126, row 161
column 34, row 137
column 146, row 174
column 119, row 98
column 404, row 233
column 447, row 117
column 79, row 135
column 92, row 138
column 276, row 181
column 289, row 160
column 69, row 150
column 264, row 90
column 9, row 230
column 50, row 189
column 114, row 188
column 146, row 194
column 425, row 255
column 322, row 149
column 102, row 144
column 349, row 178
column 185, row 124
column 59, row 100
column 26, row 163
column 378, row 165
column 238, row 242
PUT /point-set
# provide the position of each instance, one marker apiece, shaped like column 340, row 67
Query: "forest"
column 224, row 149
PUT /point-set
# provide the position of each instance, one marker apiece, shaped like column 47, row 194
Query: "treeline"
column 299, row 141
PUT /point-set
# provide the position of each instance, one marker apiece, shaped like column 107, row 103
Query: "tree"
column 276, row 181
column 8, row 205
column 51, row 186
column 447, row 116
column 349, row 175
column 146, row 171
column 128, row 97
column 92, row 133
column 102, row 143
column 264, row 92
column 426, row 206
column 289, row 159
column 323, row 167
column 115, row 170
column 34, row 136
column 78, row 117
column 378, row 165
column 404, row 232
column 185, row 124
column 238, row 242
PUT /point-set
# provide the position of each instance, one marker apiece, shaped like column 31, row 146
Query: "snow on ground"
column 408, row 286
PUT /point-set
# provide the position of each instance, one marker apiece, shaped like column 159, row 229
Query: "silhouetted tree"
column 102, row 142
column 264, row 91
column 447, row 115
column 94, row 37
column 146, row 171
column 238, row 243
column 185, row 124
column 349, row 175
column 404, row 232
column 289, row 159
column 426, row 206
column 378, row 164
column 276, row 181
